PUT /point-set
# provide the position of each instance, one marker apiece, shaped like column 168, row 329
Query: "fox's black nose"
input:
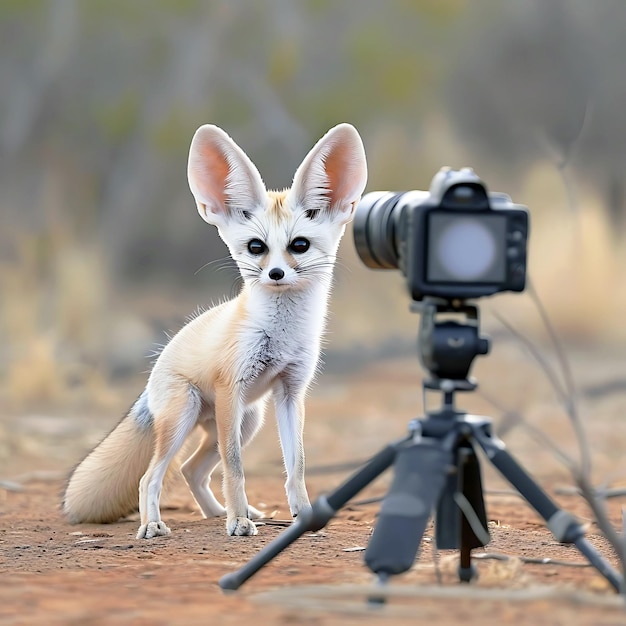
column 276, row 273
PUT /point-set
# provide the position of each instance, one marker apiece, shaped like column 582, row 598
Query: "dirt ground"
column 55, row 573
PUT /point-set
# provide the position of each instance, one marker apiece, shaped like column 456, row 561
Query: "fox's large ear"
column 332, row 177
column 223, row 180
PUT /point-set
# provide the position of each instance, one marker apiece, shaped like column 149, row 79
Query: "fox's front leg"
column 229, row 415
column 290, row 415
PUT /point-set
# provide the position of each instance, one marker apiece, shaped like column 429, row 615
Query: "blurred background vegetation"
column 101, row 248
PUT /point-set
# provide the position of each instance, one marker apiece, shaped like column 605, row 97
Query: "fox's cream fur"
column 217, row 370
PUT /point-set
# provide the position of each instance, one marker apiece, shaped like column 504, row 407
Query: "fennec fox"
column 216, row 372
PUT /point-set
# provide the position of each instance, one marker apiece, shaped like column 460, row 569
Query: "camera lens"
column 375, row 230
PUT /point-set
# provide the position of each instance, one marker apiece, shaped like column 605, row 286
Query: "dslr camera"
column 455, row 241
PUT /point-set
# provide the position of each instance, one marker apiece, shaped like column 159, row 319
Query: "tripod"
column 435, row 469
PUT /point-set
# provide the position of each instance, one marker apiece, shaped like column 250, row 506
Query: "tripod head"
column 447, row 347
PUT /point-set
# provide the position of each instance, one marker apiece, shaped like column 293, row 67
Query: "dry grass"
column 577, row 266
column 53, row 322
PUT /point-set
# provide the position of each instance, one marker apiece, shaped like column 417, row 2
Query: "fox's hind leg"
column 197, row 469
column 173, row 421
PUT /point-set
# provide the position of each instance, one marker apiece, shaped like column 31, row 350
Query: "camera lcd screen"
column 466, row 248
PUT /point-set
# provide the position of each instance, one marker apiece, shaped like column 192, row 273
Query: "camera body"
column 455, row 241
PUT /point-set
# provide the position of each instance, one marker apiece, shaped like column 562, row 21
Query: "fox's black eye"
column 256, row 246
column 299, row 245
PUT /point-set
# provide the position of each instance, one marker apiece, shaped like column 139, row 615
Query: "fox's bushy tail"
column 105, row 486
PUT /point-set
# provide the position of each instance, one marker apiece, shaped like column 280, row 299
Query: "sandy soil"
column 55, row 573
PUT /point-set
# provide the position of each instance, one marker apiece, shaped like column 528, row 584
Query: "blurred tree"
column 99, row 100
column 545, row 78
column 103, row 98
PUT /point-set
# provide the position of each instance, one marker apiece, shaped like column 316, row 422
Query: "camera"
column 455, row 241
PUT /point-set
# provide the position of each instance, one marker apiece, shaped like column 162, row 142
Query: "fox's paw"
column 153, row 529
column 255, row 513
column 299, row 506
column 219, row 512
column 297, row 498
column 300, row 511
column 241, row 526
column 213, row 511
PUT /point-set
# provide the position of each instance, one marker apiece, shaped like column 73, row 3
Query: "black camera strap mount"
column 436, row 469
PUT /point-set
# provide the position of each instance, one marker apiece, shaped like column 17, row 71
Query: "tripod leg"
column 562, row 524
column 463, row 523
column 315, row 518
column 461, row 520
column 471, row 488
column 420, row 476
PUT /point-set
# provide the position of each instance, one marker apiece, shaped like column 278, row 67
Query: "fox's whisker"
column 226, row 260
